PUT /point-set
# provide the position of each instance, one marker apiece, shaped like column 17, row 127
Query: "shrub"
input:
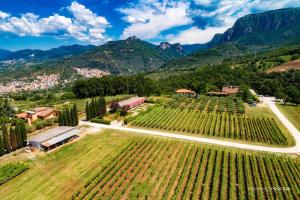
column 100, row 121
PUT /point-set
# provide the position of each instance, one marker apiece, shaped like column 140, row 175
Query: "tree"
column 60, row 119
column 23, row 133
column 75, row 113
column 18, row 136
column 2, row 151
column 6, row 138
column 87, row 110
column 13, row 139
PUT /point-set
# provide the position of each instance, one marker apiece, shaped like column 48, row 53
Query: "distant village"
column 46, row 81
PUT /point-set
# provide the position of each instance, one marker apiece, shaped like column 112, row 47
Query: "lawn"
column 60, row 173
column 292, row 112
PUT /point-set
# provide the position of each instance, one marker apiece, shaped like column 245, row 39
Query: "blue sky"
column 44, row 24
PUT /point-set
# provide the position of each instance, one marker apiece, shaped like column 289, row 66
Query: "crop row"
column 255, row 129
column 158, row 169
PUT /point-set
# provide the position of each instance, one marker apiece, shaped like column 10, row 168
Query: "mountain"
column 4, row 53
column 274, row 28
column 191, row 48
column 250, row 34
column 42, row 55
column 127, row 56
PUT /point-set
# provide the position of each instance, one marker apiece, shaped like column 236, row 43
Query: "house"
column 226, row 91
column 231, row 90
column 185, row 92
column 53, row 138
column 131, row 102
column 37, row 113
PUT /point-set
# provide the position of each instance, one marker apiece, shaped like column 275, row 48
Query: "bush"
column 11, row 170
column 100, row 121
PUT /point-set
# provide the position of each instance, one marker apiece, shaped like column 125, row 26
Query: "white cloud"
column 84, row 25
column 3, row 15
column 203, row 2
column 195, row 35
column 151, row 17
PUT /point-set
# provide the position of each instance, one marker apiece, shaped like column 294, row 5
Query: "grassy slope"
column 292, row 113
column 59, row 174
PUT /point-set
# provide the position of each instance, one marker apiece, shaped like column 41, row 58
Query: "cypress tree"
column 23, row 133
column 60, row 119
column 2, row 151
column 6, row 139
column 13, row 139
column 73, row 118
column 64, row 118
column 69, row 117
column 87, row 110
column 75, row 112
column 18, row 136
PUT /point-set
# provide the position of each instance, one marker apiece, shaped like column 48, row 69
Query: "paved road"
column 267, row 100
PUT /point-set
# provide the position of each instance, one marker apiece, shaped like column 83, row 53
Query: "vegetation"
column 13, row 139
column 100, row 120
column 255, row 129
column 11, row 170
column 68, row 117
column 95, row 108
column 155, row 169
column 292, row 112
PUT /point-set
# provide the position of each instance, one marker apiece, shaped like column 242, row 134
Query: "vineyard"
column 255, row 129
column 160, row 169
column 210, row 104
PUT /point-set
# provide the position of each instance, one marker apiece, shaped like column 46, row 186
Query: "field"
column 191, row 121
column 113, row 164
column 292, row 112
column 159, row 169
column 59, row 174
column 285, row 67
column 11, row 170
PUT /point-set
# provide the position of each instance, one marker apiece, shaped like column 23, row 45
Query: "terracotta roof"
column 39, row 109
column 184, row 91
column 46, row 112
column 22, row 115
column 230, row 89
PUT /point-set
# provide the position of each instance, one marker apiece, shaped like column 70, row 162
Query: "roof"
column 184, row 91
column 49, row 134
column 230, row 89
column 218, row 93
column 46, row 112
column 132, row 100
column 60, row 138
column 22, row 115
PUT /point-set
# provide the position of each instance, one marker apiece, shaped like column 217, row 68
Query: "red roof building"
column 37, row 113
column 132, row 102
column 185, row 92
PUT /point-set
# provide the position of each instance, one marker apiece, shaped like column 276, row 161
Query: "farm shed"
column 185, row 92
column 53, row 138
column 132, row 102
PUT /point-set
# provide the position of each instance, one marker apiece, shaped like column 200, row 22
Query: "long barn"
column 53, row 137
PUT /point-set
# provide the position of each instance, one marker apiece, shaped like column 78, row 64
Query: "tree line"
column 68, row 117
column 12, row 137
column 96, row 107
column 114, row 85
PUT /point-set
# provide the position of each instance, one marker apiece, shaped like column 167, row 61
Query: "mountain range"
column 251, row 33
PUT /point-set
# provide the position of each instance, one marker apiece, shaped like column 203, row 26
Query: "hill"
column 285, row 67
column 274, row 28
column 250, row 34
column 42, row 55
column 126, row 56
column 4, row 53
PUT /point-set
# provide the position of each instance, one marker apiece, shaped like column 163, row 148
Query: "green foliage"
column 95, row 108
column 11, row 170
column 68, row 117
column 100, row 121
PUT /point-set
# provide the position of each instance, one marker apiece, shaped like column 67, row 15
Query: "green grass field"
column 117, row 165
column 292, row 112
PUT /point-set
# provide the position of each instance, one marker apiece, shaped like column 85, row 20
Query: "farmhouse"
column 185, row 92
column 53, row 138
column 43, row 113
column 226, row 91
column 132, row 102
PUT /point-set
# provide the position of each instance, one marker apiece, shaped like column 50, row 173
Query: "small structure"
column 226, row 91
column 43, row 113
column 185, row 92
column 131, row 102
column 53, row 137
